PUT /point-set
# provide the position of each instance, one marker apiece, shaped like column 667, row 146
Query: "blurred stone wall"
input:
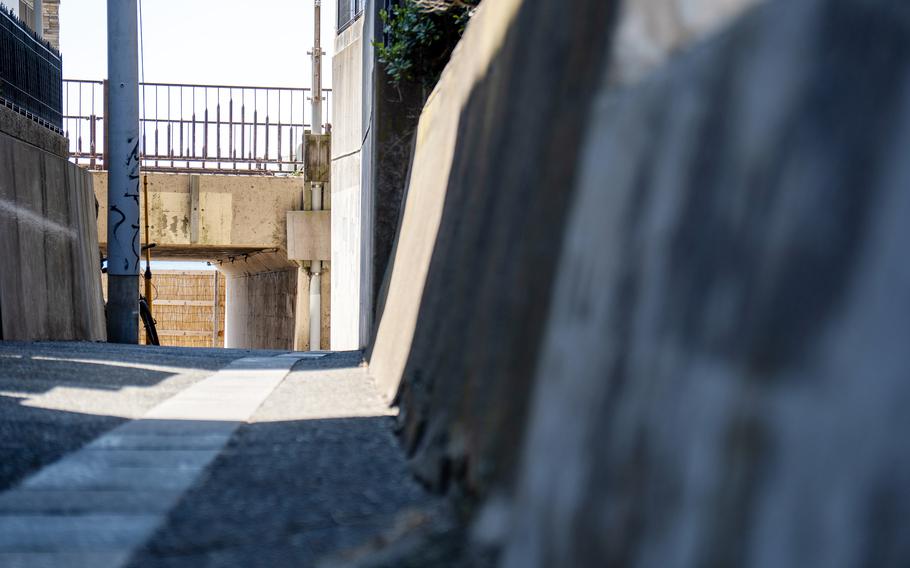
column 651, row 311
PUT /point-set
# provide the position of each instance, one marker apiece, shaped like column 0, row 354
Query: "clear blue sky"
column 254, row 42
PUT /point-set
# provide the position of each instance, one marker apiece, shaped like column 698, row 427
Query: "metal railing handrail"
column 202, row 85
column 199, row 127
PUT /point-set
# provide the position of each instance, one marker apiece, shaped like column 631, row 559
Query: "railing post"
column 105, row 127
column 92, row 140
column 216, row 321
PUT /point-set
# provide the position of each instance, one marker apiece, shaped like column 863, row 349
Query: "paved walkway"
column 218, row 458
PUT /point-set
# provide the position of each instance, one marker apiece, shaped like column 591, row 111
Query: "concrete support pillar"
column 302, row 311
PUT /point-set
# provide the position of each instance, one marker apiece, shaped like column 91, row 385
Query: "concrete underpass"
column 258, row 231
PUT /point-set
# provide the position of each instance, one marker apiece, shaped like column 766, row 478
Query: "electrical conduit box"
column 309, row 235
column 317, row 153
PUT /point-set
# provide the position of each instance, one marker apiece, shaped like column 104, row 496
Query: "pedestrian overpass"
column 228, row 182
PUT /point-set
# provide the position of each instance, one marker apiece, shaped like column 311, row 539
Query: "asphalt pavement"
column 139, row 456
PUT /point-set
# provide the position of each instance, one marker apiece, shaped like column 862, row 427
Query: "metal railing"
column 31, row 72
column 198, row 128
column 347, row 12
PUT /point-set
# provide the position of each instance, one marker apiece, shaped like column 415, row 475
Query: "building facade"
column 50, row 23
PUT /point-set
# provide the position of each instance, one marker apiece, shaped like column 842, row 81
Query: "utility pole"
column 123, row 172
column 315, row 187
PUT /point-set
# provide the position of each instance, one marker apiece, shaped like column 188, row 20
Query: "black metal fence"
column 199, row 128
column 31, row 72
column 348, row 10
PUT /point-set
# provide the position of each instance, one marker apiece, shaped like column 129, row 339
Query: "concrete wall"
column 472, row 269
column 260, row 310
column 649, row 32
column 50, row 281
column 724, row 371
column 657, row 316
column 351, row 199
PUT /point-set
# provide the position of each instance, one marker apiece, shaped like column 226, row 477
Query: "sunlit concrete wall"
column 351, row 193
column 50, row 278
column 239, row 213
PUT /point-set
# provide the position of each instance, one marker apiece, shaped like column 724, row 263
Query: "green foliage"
column 418, row 42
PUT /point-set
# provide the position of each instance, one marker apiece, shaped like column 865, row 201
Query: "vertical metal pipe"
column 123, row 172
column 170, row 130
column 218, row 127
column 147, row 276
column 205, row 131
column 93, row 141
column 215, row 310
column 316, row 285
column 316, row 265
column 106, row 126
column 316, row 94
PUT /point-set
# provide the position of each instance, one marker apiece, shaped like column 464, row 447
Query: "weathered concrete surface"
column 724, row 374
column 240, row 224
column 649, row 32
column 472, row 268
column 50, row 282
column 309, row 235
column 236, row 214
column 261, row 308
column 27, row 130
column 701, row 276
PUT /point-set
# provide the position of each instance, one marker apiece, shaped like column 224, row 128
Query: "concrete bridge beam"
column 240, row 224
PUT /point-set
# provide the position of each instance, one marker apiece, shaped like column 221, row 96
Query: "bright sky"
column 228, row 42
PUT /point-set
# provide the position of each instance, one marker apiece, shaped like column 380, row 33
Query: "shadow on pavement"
column 288, row 494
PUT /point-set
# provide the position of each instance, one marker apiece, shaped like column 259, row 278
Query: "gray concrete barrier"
column 695, row 273
column 50, row 280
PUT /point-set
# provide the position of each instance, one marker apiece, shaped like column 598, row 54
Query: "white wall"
column 349, row 227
